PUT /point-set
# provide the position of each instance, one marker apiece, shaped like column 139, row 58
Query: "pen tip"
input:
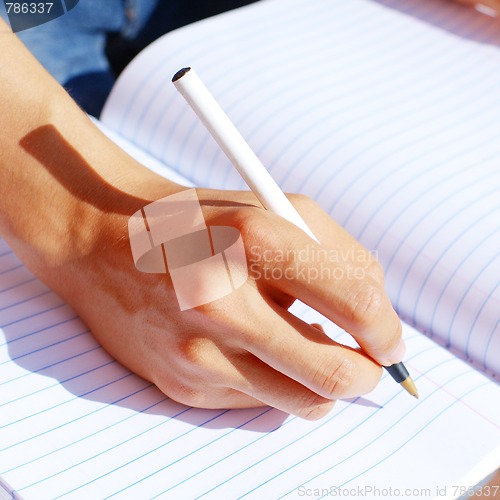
column 410, row 387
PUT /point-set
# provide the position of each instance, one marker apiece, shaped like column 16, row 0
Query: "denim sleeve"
column 72, row 46
column 74, row 43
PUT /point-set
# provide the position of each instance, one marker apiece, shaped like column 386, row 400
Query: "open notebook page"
column 76, row 423
column 385, row 112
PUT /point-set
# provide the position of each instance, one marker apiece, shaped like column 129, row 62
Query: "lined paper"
column 385, row 112
column 74, row 423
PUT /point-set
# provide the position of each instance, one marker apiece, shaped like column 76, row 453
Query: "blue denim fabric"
column 72, row 47
column 75, row 47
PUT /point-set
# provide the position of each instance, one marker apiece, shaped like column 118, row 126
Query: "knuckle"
column 336, row 383
column 195, row 352
column 363, row 304
column 186, row 394
column 258, row 233
column 375, row 271
column 314, row 407
column 251, row 222
column 251, row 338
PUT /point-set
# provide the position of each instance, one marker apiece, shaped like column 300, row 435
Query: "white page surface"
column 74, row 423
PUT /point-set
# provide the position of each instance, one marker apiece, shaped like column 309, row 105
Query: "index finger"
column 332, row 279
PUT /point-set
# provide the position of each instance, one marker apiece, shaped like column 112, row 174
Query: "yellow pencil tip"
column 410, row 387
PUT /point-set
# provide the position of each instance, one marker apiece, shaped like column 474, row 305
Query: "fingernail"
column 399, row 353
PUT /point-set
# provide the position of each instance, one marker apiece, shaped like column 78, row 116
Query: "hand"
column 66, row 197
column 244, row 349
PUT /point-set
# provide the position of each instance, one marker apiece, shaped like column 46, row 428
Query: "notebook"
column 386, row 113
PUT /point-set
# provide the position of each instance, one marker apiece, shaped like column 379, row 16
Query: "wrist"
column 71, row 193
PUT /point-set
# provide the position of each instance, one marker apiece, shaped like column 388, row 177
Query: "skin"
column 494, row 4
column 66, row 194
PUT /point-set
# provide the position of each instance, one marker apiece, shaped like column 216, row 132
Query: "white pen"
column 259, row 180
